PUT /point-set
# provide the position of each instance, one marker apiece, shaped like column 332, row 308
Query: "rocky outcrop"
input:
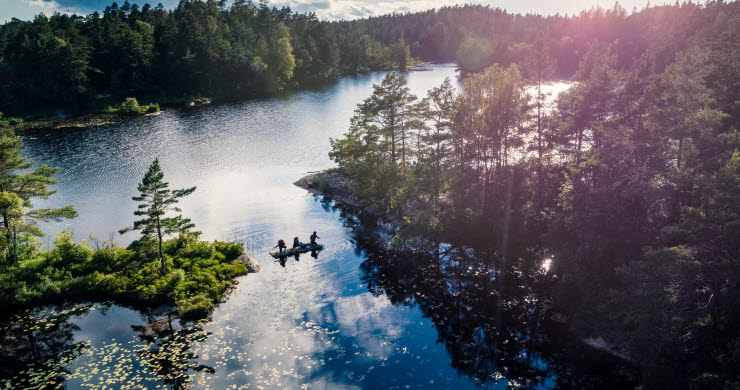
column 336, row 186
column 252, row 264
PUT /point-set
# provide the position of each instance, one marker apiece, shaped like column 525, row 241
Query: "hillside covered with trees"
column 201, row 48
column 478, row 36
column 628, row 190
column 238, row 50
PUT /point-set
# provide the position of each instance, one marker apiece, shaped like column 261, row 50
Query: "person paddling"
column 314, row 236
column 281, row 245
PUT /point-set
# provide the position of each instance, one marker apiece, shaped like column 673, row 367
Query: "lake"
column 354, row 317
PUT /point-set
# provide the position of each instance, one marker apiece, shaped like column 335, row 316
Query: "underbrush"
column 131, row 107
column 198, row 274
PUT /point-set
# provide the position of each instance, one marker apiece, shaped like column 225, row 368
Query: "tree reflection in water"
column 169, row 356
column 37, row 345
column 492, row 313
column 39, row 350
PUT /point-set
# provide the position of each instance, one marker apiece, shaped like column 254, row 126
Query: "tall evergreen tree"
column 437, row 112
column 18, row 187
column 539, row 68
column 381, row 130
column 156, row 201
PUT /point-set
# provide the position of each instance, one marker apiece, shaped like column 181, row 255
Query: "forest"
column 235, row 50
column 199, row 49
column 627, row 187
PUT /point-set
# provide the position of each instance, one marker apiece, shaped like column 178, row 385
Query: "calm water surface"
column 352, row 318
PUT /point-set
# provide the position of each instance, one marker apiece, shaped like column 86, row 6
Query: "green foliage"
column 376, row 152
column 474, row 54
column 131, row 107
column 19, row 185
column 200, row 273
column 201, row 100
column 400, row 53
column 61, row 62
column 156, row 200
column 195, row 307
column 230, row 250
column 280, row 62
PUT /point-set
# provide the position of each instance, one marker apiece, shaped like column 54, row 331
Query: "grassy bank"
column 106, row 111
column 199, row 273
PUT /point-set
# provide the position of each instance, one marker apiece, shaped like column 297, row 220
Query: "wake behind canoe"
column 295, row 251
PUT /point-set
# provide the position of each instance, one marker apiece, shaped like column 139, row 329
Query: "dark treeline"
column 201, row 48
column 220, row 49
column 478, row 36
column 629, row 184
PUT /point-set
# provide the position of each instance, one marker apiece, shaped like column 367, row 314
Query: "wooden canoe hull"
column 295, row 251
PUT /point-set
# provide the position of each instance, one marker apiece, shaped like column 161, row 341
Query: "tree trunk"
column 8, row 237
column 393, row 136
column 437, row 180
column 161, row 254
column 541, row 181
column 403, row 145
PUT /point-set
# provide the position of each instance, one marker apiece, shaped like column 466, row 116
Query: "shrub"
column 197, row 249
column 131, row 107
column 230, row 250
column 111, row 258
column 152, row 108
column 198, row 274
column 69, row 255
column 195, row 307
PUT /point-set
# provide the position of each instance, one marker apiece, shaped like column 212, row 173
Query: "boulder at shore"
column 336, row 186
column 252, row 264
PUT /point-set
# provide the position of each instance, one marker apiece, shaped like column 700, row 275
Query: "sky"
column 327, row 9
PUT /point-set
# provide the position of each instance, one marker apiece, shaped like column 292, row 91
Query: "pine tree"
column 18, row 186
column 388, row 110
column 539, row 67
column 438, row 109
column 156, row 201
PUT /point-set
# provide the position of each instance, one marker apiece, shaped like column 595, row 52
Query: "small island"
column 182, row 272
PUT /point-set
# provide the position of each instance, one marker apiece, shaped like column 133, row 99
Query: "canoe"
column 294, row 251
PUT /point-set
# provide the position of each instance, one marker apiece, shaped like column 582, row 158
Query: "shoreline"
column 334, row 185
column 94, row 119
column 98, row 118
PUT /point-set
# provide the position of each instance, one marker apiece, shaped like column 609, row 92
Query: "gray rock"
column 252, row 264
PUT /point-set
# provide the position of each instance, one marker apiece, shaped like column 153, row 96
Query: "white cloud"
column 28, row 9
column 47, row 4
column 351, row 9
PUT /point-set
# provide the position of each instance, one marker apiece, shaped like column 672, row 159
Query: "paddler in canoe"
column 298, row 247
column 281, row 246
